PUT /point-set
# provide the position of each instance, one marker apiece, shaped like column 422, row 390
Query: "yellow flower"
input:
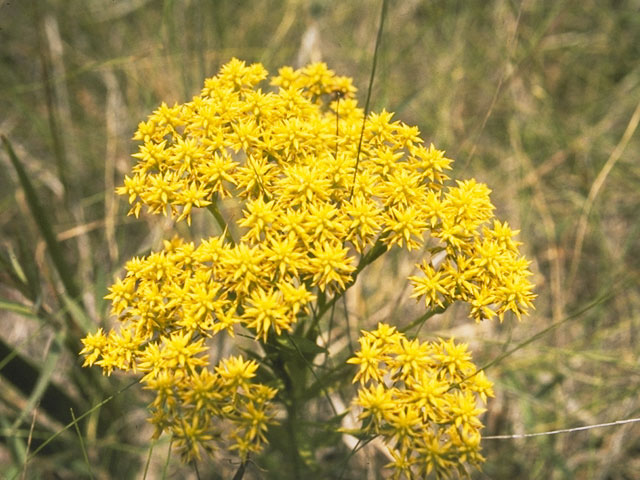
column 434, row 456
column 236, row 371
column 411, row 357
column 405, row 422
column 330, row 264
column 428, row 395
column 244, row 267
column 181, row 351
column 421, row 398
column 285, row 254
column 434, row 286
column 189, row 437
column 202, row 391
column 454, row 359
column 405, row 227
column 93, row 347
column 266, row 310
column 464, row 410
column 258, row 217
column 369, row 356
column 365, row 221
column 297, row 223
column 376, row 402
column 402, row 463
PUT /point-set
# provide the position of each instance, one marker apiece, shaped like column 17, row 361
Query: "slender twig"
column 383, row 14
column 215, row 211
column 424, row 317
column 194, row 463
column 562, row 430
column 310, row 367
column 165, row 469
column 329, row 331
column 540, row 334
column 77, row 419
column 372, row 255
column 240, row 472
column 82, row 447
column 29, row 438
column 617, row 152
column 358, row 446
column 148, row 462
column 347, row 323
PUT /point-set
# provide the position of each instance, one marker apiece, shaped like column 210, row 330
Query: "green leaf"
column 327, row 380
column 44, row 379
column 298, row 343
column 18, row 308
column 23, row 274
column 41, row 217
column 78, row 314
column 15, row 443
column 26, row 377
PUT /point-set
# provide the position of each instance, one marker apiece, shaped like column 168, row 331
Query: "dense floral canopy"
column 319, row 190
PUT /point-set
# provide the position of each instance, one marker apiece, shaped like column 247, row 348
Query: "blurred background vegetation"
column 539, row 99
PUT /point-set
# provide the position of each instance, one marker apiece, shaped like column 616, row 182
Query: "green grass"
column 536, row 99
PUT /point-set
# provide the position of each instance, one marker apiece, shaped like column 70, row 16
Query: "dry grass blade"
column 562, row 430
column 583, row 224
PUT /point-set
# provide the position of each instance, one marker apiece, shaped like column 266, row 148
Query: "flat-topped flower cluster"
column 422, row 399
column 318, row 203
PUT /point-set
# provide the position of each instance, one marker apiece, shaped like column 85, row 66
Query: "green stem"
column 290, row 403
column 213, row 208
column 424, row 317
column 42, row 217
column 383, row 15
column 291, row 430
column 372, row 255
column 313, row 372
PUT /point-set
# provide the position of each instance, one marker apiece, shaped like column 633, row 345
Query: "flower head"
column 300, row 203
column 422, row 398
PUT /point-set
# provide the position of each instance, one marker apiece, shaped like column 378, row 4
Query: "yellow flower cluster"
column 204, row 404
column 291, row 157
column 195, row 403
column 169, row 303
column 482, row 266
column 422, row 399
column 313, row 206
